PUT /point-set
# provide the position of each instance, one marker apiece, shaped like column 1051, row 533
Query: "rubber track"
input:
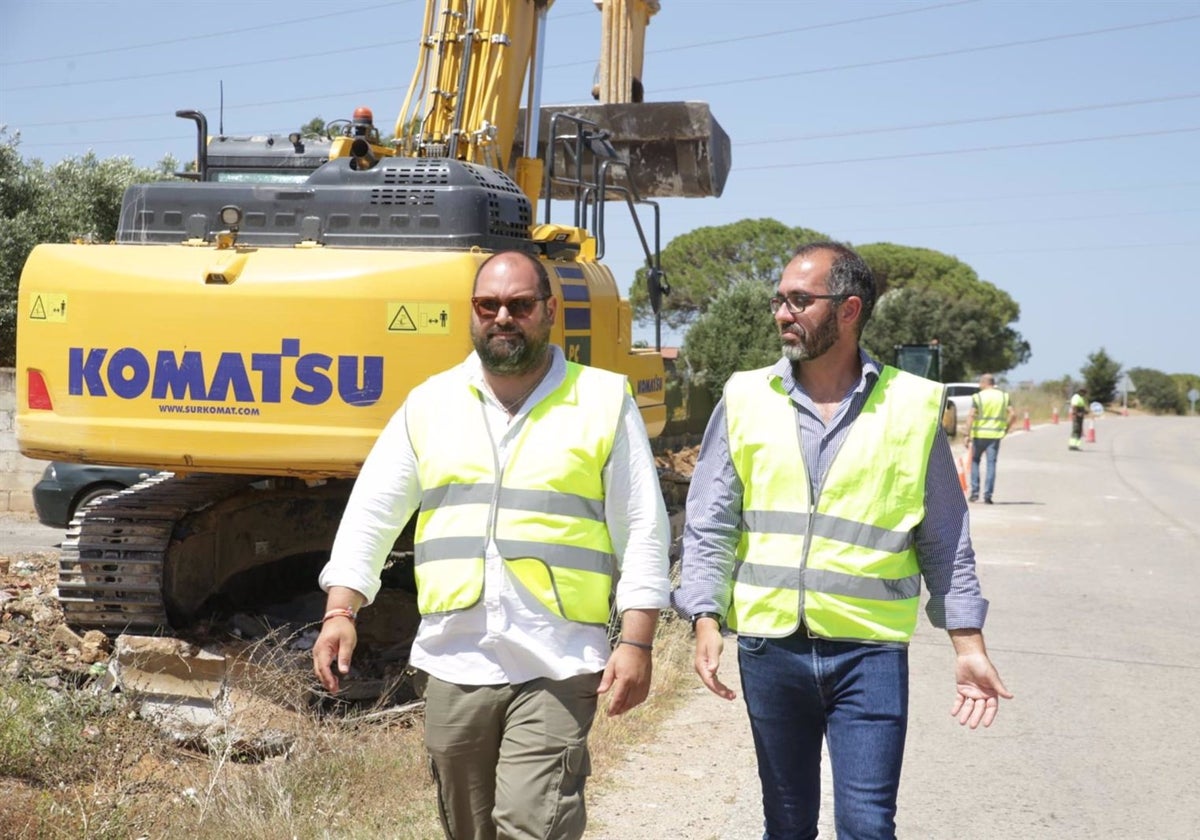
column 111, row 564
column 112, row 561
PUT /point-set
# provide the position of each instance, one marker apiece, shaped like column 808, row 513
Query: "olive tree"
column 76, row 198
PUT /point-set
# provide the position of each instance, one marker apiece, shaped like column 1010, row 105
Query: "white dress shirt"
column 507, row 636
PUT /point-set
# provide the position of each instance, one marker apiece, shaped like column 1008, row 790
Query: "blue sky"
column 1051, row 145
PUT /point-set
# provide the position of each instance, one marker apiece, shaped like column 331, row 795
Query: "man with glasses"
column 536, row 499
column 825, row 489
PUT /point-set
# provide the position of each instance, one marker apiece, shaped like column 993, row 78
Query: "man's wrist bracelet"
column 641, row 645
column 714, row 616
column 344, row 612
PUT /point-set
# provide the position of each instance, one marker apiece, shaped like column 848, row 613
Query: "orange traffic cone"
column 1091, row 431
column 962, row 470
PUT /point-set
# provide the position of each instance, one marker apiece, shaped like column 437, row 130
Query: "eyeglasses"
column 518, row 307
column 797, row 302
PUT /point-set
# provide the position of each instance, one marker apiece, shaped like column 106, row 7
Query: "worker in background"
column 536, row 495
column 824, row 490
column 990, row 418
column 1079, row 409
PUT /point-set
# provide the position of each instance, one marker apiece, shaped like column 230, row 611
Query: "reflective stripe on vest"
column 848, row 562
column 545, row 510
column 991, row 414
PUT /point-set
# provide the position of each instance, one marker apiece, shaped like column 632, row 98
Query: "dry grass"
column 1040, row 401
column 77, row 767
column 611, row 736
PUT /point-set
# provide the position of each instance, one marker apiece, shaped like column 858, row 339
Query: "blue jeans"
column 979, row 448
column 799, row 690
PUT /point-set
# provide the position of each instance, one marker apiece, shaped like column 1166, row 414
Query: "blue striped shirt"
column 714, row 510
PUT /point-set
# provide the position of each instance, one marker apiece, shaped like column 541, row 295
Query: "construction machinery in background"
column 256, row 324
column 926, row 360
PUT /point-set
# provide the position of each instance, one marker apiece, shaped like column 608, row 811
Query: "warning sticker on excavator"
column 418, row 318
column 48, row 307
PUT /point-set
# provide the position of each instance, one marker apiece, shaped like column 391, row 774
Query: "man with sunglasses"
column 825, row 489
column 536, row 499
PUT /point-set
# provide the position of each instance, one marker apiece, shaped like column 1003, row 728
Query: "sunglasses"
column 518, row 307
column 797, row 302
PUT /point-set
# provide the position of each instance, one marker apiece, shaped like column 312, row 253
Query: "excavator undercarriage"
column 172, row 548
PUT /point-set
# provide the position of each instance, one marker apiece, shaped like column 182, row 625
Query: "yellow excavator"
column 257, row 322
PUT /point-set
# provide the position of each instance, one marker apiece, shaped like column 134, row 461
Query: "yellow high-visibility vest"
column 845, row 560
column 545, row 509
column 991, row 414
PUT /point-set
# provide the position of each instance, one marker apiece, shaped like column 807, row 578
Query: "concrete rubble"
column 200, row 696
column 241, row 687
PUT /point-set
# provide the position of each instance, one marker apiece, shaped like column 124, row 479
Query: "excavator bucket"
column 670, row 149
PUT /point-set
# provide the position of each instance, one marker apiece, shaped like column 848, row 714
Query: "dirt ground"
column 29, row 614
column 694, row 781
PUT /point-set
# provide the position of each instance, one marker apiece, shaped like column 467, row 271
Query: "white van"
column 958, row 402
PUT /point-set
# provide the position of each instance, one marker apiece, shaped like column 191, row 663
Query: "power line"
column 991, row 199
column 318, row 97
column 973, row 150
column 200, row 37
column 926, row 56
column 1122, row 247
column 1026, row 220
column 159, row 115
column 777, row 32
column 1068, row 109
column 208, row 68
column 696, row 45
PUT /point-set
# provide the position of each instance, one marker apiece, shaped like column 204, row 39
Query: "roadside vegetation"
column 80, row 762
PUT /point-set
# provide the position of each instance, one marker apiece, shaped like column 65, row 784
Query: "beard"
column 815, row 343
column 511, row 351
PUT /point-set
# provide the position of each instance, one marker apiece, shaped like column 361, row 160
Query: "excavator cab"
column 925, row 360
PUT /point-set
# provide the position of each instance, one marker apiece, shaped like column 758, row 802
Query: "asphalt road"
column 1091, row 562
column 21, row 532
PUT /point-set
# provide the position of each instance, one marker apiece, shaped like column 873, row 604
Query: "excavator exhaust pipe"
column 673, row 149
column 361, row 156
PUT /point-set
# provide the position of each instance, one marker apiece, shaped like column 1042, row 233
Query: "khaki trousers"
column 510, row 761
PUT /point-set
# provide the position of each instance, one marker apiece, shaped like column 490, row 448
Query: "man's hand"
column 978, row 685
column 336, row 643
column 627, row 675
column 709, row 645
